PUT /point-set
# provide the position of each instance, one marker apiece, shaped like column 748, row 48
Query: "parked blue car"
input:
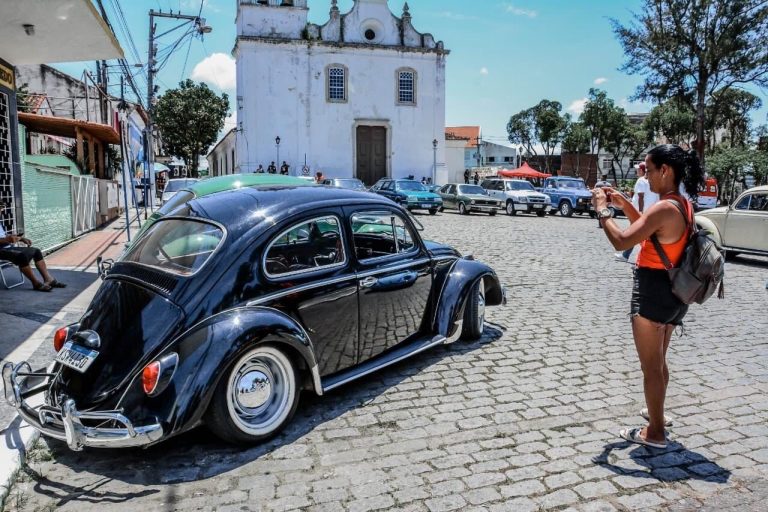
column 410, row 194
column 568, row 195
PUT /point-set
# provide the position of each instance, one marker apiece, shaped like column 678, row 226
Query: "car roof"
column 236, row 181
column 761, row 188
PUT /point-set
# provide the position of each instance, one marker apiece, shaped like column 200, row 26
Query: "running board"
column 381, row 361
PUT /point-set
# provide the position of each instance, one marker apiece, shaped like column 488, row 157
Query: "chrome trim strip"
column 393, row 268
column 436, row 340
column 457, row 333
column 305, row 270
column 298, row 289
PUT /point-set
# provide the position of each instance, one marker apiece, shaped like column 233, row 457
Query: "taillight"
column 60, row 338
column 150, row 376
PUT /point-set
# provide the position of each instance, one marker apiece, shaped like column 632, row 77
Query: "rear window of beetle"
column 176, row 245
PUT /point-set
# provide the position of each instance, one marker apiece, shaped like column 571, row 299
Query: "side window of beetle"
column 378, row 234
column 306, row 247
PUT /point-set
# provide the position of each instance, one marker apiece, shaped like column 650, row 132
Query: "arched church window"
column 336, row 83
column 406, row 86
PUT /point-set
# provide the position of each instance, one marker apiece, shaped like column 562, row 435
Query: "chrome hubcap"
column 259, row 392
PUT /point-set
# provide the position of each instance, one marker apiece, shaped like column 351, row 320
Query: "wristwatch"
column 605, row 213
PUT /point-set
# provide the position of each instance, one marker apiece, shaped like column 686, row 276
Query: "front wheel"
column 566, row 210
column 433, row 211
column 256, row 398
column 474, row 313
column 462, row 209
column 511, row 208
column 541, row 213
column 492, row 213
column 592, row 215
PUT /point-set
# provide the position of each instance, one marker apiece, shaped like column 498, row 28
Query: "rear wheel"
column 566, row 210
column 256, row 398
column 511, row 208
column 541, row 213
column 592, row 215
column 433, row 211
column 492, row 213
column 474, row 313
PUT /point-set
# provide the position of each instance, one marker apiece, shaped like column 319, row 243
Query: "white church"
column 361, row 96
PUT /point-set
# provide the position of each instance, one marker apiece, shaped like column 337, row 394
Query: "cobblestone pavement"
column 524, row 419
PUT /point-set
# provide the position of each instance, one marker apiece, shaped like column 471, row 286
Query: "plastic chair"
column 6, row 264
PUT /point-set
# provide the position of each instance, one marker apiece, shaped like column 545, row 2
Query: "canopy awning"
column 524, row 171
column 65, row 127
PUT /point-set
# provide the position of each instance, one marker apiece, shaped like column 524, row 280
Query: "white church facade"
column 362, row 95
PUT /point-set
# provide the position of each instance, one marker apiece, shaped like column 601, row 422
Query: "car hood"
column 528, row 193
column 477, row 197
column 720, row 210
column 132, row 323
column 420, row 195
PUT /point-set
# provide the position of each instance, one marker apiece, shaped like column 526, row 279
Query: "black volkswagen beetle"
column 232, row 303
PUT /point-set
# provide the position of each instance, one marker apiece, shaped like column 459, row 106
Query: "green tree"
column 602, row 118
column 730, row 110
column 730, row 165
column 576, row 141
column 190, row 118
column 692, row 48
column 625, row 141
column 674, row 119
column 23, row 103
column 520, row 130
column 549, row 127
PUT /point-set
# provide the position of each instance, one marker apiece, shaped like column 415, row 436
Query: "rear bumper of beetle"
column 66, row 423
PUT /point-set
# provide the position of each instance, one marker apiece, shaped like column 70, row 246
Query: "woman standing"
column 655, row 311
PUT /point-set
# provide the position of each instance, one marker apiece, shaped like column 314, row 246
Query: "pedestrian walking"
column 655, row 311
column 476, row 178
column 271, row 169
column 284, row 169
column 642, row 200
column 466, row 176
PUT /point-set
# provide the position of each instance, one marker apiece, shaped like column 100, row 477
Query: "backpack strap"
column 655, row 240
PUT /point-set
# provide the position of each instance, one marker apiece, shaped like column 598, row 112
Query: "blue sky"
column 505, row 55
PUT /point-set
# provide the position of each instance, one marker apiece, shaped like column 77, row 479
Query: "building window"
column 406, row 87
column 337, row 83
column 491, row 159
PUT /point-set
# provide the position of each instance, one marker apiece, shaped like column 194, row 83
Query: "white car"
column 517, row 196
column 174, row 186
column 741, row 227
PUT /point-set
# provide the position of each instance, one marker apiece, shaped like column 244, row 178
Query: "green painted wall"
column 47, row 197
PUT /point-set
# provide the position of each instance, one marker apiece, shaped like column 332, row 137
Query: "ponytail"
column 685, row 165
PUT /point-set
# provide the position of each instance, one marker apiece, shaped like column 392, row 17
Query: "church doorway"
column 371, row 154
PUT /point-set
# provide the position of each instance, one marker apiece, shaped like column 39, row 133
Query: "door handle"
column 368, row 282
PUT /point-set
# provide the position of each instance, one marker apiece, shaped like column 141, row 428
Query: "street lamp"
column 520, row 156
column 434, row 160
column 277, row 145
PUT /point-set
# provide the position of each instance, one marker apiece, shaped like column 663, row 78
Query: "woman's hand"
column 26, row 241
column 617, row 199
column 599, row 199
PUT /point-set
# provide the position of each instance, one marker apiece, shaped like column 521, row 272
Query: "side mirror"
column 104, row 266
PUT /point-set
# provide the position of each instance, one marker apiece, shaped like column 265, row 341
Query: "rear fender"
column 454, row 289
column 708, row 225
column 207, row 351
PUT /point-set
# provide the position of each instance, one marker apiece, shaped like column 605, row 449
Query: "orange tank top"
column 649, row 258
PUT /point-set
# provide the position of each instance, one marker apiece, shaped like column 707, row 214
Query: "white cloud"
column 517, row 11
column 218, row 69
column 483, row 70
column 456, row 16
column 230, row 121
column 601, row 80
column 577, row 106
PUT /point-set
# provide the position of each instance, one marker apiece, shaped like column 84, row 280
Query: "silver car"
column 741, row 227
column 174, row 186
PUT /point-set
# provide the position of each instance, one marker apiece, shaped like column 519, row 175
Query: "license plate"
column 426, row 205
column 538, row 206
column 76, row 357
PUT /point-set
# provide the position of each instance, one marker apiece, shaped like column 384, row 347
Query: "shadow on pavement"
column 673, row 464
column 749, row 261
column 23, row 310
column 198, row 455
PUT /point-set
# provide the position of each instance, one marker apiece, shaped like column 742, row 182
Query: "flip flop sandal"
column 667, row 419
column 633, row 436
column 56, row 284
column 42, row 288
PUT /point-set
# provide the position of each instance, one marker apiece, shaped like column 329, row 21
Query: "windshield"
column 519, row 185
column 577, row 184
column 178, row 246
column 472, row 189
column 176, row 185
column 349, row 184
column 411, row 185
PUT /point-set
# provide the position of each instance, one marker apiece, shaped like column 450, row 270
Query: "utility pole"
column 202, row 28
column 479, row 139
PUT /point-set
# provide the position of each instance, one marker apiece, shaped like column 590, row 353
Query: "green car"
column 220, row 184
column 409, row 194
column 468, row 199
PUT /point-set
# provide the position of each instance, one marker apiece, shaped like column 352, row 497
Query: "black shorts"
column 21, row 256
column 652, row 297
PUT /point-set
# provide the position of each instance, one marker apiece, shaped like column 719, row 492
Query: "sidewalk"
column 28, row 320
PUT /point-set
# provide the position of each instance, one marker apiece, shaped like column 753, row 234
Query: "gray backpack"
column 702, row 267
